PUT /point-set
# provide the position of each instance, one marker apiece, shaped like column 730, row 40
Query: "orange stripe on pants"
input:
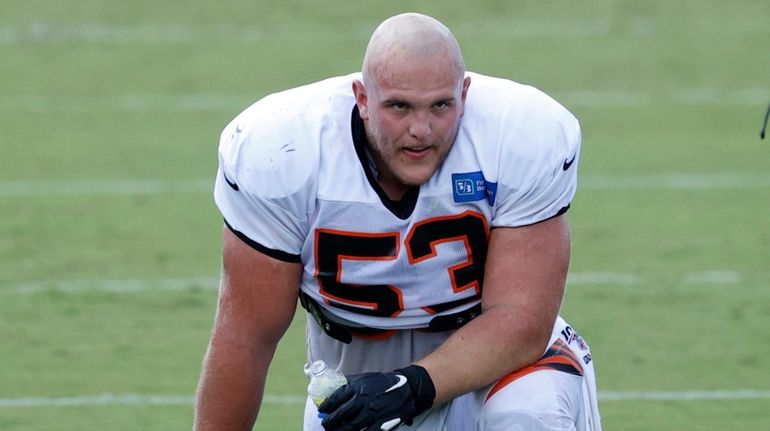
column 558, row 357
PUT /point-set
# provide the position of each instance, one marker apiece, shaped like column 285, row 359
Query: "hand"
column 379, row 401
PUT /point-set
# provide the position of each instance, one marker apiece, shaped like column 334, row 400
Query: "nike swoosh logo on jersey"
column 568, row 163
column 230, row 183
column 401, row 382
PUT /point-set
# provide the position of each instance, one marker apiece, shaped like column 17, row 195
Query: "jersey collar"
column 402, row 208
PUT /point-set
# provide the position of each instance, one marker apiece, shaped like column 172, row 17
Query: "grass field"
column 109, row 240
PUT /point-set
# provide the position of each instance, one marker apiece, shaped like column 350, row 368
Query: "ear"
column 359, row 91
column 466, row 85
column 464, row 94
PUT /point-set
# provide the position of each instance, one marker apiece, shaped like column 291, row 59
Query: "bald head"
column 411, row 100
column 409, row 38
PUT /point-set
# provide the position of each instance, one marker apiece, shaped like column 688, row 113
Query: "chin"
column 416, row 180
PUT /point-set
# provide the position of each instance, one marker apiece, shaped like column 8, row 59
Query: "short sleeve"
column 262, row 186
column 541, row 179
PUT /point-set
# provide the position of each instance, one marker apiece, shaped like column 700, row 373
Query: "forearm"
column 485, row 350
column 231, row 386
column 257, row 300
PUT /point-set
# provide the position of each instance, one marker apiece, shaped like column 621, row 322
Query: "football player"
column 418, row 211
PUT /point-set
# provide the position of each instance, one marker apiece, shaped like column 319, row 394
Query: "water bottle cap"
column 318, row 367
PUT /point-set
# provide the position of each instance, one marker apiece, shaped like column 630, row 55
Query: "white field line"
column 738, row 394
column 42, row 31
column 298, row 400
column 588, row 183
column 675, row 182
column 597, row 277
column 100, row 187
column 140, row 103
column 722, row 277
column 117, row 285
column 713, row 276
column 126, row 399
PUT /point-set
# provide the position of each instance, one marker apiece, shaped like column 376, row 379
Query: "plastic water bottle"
column 323, row 381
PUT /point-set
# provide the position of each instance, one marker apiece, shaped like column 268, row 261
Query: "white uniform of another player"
column 392, row 280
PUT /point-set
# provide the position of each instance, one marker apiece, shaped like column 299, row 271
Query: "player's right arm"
column 263, row 197
column 257, row 300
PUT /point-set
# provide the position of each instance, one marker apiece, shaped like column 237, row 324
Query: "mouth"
column 417, row 152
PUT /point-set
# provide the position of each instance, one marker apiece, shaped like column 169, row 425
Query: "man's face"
column 412, row 112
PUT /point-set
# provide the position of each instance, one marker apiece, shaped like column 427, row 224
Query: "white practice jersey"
column 295, row 182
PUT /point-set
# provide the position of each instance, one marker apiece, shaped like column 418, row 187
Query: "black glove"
column 379, row 401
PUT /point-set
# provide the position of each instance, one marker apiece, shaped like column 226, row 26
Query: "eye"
column 443, row 104
column 398, row 106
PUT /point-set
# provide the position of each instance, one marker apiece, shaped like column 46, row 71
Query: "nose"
column 420, row 126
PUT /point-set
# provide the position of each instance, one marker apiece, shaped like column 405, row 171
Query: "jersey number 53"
column 385, row 300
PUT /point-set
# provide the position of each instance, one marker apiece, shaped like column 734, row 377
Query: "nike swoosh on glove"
column 379, row 401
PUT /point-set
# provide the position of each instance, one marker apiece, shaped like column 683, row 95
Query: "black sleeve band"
column 561, row 211
column 277, row 254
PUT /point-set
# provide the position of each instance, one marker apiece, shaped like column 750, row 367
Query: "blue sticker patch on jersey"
column 471, row 186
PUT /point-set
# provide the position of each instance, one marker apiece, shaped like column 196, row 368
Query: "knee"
column 526, row 420
column 541, row 401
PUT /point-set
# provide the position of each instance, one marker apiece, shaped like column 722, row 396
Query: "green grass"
column 108, row 93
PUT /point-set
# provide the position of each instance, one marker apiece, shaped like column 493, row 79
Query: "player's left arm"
column 528, row 255
column 524, row 284
column 523, row 288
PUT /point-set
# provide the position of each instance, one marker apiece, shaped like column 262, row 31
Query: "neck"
column 393, row 188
